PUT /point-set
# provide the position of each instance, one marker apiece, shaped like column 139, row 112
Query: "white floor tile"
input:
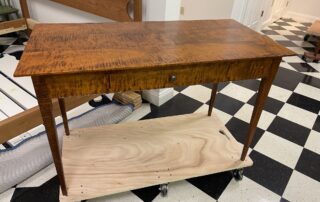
column 308, row 91
column 245, row 113
column 287, row 66
column 7, row 195
column 296, row 24
column 291, row 28
column 198, row 92
column 2, row 147
column 313, row 74
column 122, row 197
column 14, row 48
column 302, row 188
column 279, row 149
column 238, row 92
column 224, row 117
column 298, row 115
column 313, row 142
column 278, row 38
column 284, row 32
column 279, row 93
column 7, row 40
column 39, row 178
column 315, row 65
column 293, row 59
column 183, row 191
column 297, row 50
column 303, row 44
column 247, row 191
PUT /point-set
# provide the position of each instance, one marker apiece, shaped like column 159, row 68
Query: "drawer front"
column 181, row 76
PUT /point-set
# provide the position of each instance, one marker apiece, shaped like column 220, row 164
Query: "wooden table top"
column 78, row 48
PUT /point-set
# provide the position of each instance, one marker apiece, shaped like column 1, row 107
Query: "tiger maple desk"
column 80, row 59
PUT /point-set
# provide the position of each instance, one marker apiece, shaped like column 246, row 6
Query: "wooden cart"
column 98, row 58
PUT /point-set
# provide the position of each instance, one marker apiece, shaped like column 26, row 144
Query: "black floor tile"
column 20, row 41
column 304, row 102
column 289, row 130
column 147, row 194
column 270, row 32
column 302, row 67
column 302, row 28
column 309, row 164
column 17, row 54
column 287, row 79
column 307, row 24
column 287, row 20
column 227, row 104
column 268, row 173
column 277, row 28
column 239, row 129
column 272, row 105
column 48, row 192
column 293, row 37
column 287, row 43
column 221, row 85
column 297, row 32
column 180, row 88
column 252, row 84
column 316, row 125
column 179, row 104
column 213, row 185
column 284, row 200
column 282, row 24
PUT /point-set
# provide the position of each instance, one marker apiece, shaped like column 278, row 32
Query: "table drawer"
column 182, row 76
column 141, row 80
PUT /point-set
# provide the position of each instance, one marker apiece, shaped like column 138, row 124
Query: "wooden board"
column 13, row 26
column 114, row 10
column 111, row 47
column 115, row 158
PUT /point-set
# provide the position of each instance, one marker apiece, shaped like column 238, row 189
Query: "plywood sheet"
column 116, row 158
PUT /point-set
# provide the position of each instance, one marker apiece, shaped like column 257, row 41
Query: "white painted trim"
column 159, row 96
column 300, row 17
column 267, row 23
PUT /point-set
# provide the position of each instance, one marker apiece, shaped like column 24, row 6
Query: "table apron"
column 103, row 82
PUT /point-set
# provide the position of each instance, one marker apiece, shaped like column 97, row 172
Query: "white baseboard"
column 266, row 23
column 300, row 17
column 158, row 96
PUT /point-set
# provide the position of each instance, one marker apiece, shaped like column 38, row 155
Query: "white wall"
column 206, row 9
column 51, row 12
column 304, row 10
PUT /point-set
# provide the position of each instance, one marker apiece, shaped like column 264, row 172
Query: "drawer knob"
column 172, row 78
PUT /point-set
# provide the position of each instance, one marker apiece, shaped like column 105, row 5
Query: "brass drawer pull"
column 172, row 78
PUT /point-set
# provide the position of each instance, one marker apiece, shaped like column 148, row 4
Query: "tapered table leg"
column 64, row 115
column 212, row 98
column 264, row 89
column 45, row 106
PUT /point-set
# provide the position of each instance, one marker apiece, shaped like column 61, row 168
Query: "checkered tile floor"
column 285, row 150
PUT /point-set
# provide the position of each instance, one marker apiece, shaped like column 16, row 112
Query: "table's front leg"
column 45, row 106
column 63, row 111
column 264, row 89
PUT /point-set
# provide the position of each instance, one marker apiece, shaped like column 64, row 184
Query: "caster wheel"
column 163, row 190
column 315, row 61
column 304, row 58
column 238, row 174
column 306, row 37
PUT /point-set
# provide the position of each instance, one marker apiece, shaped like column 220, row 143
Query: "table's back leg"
column 264, row 89
column 64, row 115
column 212, row 98
column 45, row 106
